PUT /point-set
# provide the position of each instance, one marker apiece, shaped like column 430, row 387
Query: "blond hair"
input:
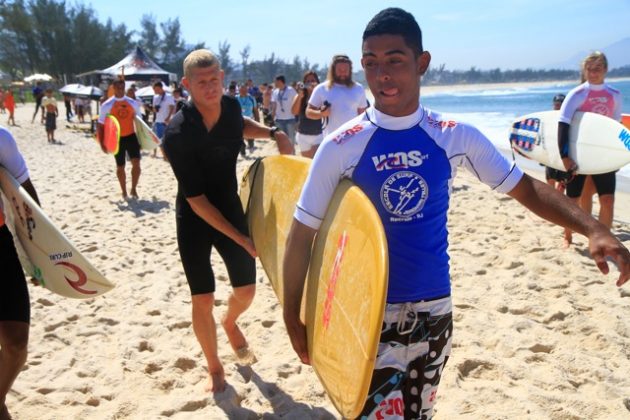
column 591, row 58
column 199, row 59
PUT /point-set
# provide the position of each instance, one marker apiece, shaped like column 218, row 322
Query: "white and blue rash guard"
column 405, row 165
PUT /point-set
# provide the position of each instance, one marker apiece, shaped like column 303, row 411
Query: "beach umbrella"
column 71, row 89
column 91, row 92
column 77, row 89
column 38, row 77
column 147, row 91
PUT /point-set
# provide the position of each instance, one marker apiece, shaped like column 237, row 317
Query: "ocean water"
column 493, row 110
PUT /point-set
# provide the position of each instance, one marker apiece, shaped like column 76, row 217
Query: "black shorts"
column 128, row 145
column 14, row 300
column 556, row 175
column 51, row 121
column 604, row 184
column 196, row 239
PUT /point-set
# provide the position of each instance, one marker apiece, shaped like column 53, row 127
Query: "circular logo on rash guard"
column 403, row 194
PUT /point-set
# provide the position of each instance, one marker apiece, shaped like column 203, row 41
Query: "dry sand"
column 539, row 332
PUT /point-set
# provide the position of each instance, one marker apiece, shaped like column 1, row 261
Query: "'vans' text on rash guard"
column 405, row 165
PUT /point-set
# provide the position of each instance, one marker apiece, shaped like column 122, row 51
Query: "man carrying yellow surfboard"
column 15, row 312
column 202, row 144
column 404, row 157
column 124, row 109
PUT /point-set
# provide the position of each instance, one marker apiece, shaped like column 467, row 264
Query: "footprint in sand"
column 268, row 324
column 185, row 364
column 145, row 346
column 152, row 368
column 475, row 368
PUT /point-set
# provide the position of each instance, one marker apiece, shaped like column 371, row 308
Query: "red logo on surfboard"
column 81, row 278
column 332, row 282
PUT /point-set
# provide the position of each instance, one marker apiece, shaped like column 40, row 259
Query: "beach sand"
column 539, row 332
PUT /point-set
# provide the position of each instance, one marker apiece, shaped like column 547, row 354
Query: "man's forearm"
column 295, row 266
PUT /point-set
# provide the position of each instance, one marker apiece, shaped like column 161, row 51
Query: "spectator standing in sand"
column 15, row 307
column 404, row 157
column 124, row 109
column 267, row 91
column 309, row 131
column 9, row 104
column 67, row 102
column 593, row 95
column 281, row 102
column 202, row 144
column 49, row 106
column 38, row 95
column 339, row 98
column 249, row 110
column 163, row 106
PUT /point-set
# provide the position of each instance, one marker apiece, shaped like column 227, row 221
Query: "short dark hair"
column 281, row 78
column 396, row 21
column 158, row 84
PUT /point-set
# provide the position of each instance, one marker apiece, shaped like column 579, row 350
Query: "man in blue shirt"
column 404, row 158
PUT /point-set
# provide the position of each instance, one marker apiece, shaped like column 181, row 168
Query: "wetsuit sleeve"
column 570, row 105
column 484, row 160
column 181, row 155
column 11, row 158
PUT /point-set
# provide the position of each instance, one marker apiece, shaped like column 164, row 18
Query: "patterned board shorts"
column 414, row 347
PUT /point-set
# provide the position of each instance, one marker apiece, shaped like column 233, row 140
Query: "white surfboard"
column 45, row 253
column 146, row 137
column 597, row 144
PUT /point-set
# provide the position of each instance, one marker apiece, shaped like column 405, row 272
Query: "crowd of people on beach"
column 395, row 143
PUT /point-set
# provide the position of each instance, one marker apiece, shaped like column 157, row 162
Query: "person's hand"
column 325, row 112
column 570, row 165
column 603, row 244
column 247, row 243
column 297, row 333
column 285, row 147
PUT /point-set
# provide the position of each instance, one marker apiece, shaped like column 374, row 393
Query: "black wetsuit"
column 204, row 163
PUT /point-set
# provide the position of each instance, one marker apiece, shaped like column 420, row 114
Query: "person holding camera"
column 309, row 131
column 339, row 98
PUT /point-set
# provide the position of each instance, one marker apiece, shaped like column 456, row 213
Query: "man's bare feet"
column 238, row 342
column 216, row 381
column 567, row 241
column 134, row 193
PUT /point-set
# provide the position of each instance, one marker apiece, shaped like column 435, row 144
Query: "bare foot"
column 216, row 381
column 238, row 342
column 134, row 194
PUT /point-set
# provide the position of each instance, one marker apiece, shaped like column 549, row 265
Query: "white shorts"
column 307, row 141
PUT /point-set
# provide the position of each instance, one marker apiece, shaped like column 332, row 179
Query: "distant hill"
column 618, row 55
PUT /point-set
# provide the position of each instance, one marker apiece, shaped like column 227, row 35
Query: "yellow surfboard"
column 347, row 279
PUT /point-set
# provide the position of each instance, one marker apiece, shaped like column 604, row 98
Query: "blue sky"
column 461, row 34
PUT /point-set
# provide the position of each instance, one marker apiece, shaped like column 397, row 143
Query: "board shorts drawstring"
column 406, row 311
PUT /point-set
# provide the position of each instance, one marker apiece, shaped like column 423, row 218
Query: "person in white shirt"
column 339, row 98
column 281, row 102
column 164, row 109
